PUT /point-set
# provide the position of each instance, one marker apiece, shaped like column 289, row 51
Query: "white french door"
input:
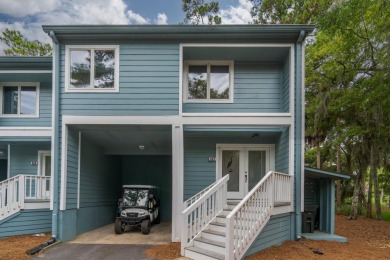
column 245, row 164
column 44, row 167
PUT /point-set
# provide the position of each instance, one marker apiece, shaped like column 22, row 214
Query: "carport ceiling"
column 125, row 140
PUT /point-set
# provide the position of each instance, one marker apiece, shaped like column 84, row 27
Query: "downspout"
column 55, row 133
column 298, row 131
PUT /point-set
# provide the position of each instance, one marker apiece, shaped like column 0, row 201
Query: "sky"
column 27, row 16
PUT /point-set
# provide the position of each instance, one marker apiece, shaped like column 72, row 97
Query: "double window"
column 19, row 99
column 210, row 82
column 92, row 68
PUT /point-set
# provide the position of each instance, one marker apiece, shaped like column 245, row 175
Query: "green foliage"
column 386, row 215
column 18, row 45
column 197, row 11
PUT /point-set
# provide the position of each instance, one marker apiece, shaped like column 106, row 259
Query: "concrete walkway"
column 159, row 234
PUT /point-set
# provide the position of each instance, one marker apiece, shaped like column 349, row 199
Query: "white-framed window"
column 208, row 81
column 92, row 68
column 19, row 99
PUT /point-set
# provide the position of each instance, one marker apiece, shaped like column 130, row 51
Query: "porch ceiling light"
column 141, row 147
column 2, row 152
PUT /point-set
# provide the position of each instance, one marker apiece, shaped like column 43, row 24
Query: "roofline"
column 330, row 174
column 25, row 62
column 178, row 32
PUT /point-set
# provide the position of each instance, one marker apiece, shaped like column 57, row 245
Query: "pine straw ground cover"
column 367, row 239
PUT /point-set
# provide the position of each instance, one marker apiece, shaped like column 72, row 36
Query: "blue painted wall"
column 151, row 170
column 282, row 152
column 149, row 84
column 26, row 222
column 285, row 87
column 257, row 89
column 22, row 155
column 45, row 96
column 72, row 169
column 276, row 231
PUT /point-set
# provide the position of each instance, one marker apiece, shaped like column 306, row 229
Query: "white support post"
column 79, row 172
column 21, row 191
column 177, row 179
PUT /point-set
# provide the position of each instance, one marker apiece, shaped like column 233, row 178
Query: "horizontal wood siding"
column 151, row 170
column 148, row 84
column 45, row 97
column 276, row 231
column 72, row 169
column 312, row 187
column 285, row 87
column 23, row 155
column 257, row 89
column 282, row 152
column 26, row 222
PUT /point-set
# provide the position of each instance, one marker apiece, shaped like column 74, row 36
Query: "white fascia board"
column 174, row 120
column 25, row 132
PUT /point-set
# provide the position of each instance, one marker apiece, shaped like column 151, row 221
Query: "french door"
column 246, row 166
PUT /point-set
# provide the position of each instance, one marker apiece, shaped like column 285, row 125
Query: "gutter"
column 298, row 125
column 55, row 135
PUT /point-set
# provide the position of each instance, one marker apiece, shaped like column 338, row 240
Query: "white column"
column 177, row 179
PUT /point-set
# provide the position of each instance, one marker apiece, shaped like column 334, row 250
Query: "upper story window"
column 19, row 99
column 92, row 68
column 208, row 81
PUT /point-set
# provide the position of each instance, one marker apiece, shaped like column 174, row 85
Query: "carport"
column 102, row 158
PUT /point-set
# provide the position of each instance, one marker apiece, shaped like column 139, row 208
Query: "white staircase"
column 227, row 230
column 211, row 243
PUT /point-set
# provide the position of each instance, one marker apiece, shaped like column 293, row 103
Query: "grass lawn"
column 386, row 215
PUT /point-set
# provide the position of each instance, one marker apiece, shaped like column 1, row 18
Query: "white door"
column 45, row 168
column 246, row 166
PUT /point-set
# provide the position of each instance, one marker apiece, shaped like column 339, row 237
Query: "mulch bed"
column 15, row 247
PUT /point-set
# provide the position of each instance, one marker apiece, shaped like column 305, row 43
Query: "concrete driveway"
column 103, row 243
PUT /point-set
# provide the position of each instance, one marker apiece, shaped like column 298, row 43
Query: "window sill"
column 191, row 101
column 92, row 90
column 19, row 116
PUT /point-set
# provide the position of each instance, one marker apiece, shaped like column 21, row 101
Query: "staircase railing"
column 209, row 203
column 249, row 217
column 16, row 190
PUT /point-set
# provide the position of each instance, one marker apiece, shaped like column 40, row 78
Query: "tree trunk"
column 369, row 195
column 355, row 197
column 339, row 201
column 374, row 172
column 318, row 155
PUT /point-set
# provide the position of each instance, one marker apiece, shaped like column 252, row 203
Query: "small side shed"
column 319, row 199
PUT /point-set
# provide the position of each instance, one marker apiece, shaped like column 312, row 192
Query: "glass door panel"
column 231, row 166
column 256, row 167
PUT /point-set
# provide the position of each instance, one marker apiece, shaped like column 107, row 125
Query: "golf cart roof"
column 140, row 186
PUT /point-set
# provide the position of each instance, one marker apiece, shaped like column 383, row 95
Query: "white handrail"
column 249, row 217
column 191, row 200
column 16, row 190
column 202, row 211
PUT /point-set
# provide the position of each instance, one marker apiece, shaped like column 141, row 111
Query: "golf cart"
column 139, row 208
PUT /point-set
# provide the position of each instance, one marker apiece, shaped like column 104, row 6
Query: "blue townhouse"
column 213, row 115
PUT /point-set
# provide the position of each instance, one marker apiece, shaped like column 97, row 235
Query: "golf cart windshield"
column 135, row 197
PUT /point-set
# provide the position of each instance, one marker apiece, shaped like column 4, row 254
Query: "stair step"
column 217, row 226
column 200, row 253
column 210, row 244
column 217, row 233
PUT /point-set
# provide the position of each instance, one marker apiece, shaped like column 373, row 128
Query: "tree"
column 18, row 45
column 199, row 12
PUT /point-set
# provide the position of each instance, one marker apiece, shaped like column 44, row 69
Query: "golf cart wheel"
column 118, row 227
column 145, row 226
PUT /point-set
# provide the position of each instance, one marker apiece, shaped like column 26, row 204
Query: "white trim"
column 19, row 85
column 64, row 150
column 281, row 209
column 292, row 162
column 42, row 153
column 181, row 66
column 238, row 45
column 24, row 71
column 53, row 102
column 237, row 114
column 91, row 89
column 79, row 172
column 208, row 64
column 9, row 161
column 25, row 131
column 171, row 120
column 177, row 180
column 36, row 205
column 292, row 81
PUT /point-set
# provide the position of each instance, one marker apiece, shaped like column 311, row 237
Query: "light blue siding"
column 282, row 152
column 148, row 84
column 45, row 97
column 26, row 222
column 285, row 87
column 72, row 169
column 151, row 170
column 21, row 157
column 257, row 89
column 276, row 231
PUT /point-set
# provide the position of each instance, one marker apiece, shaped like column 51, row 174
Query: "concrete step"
column 202, row 254
column 214, row 235
column 209, row 244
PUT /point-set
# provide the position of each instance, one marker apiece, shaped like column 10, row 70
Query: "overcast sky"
column 28, row 16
